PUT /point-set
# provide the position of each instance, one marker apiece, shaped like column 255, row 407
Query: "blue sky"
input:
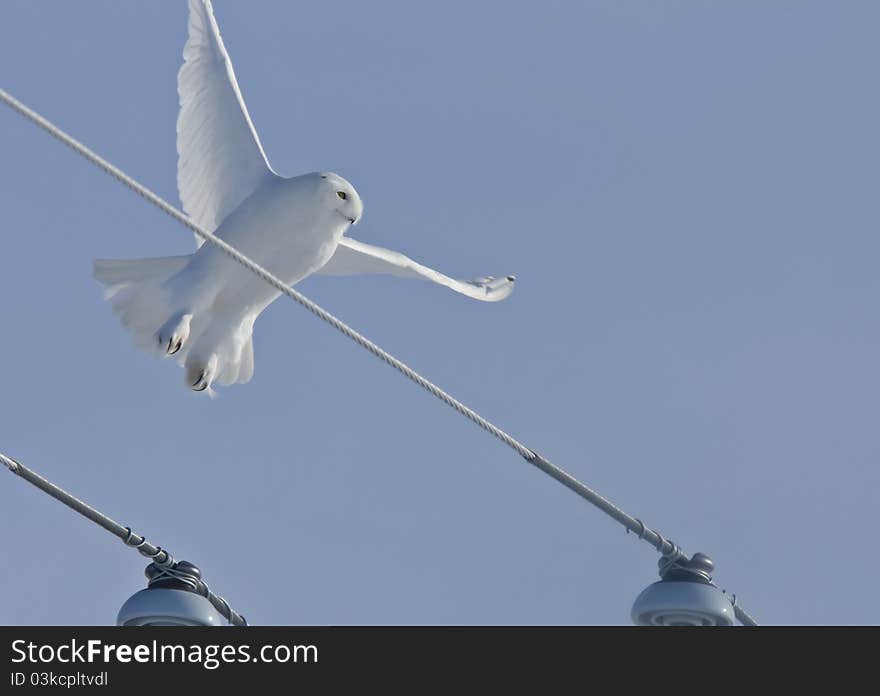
column 687, row 194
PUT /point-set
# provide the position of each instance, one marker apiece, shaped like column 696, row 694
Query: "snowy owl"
column 201, row 308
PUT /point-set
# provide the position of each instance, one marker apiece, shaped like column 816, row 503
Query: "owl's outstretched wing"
column 353, row 258
column 220, row 159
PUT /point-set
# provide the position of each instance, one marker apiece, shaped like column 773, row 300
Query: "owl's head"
column 340, row 196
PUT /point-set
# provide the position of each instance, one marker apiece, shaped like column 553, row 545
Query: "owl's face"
column 341, row 197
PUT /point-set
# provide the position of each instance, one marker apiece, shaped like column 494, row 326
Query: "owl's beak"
column 350, row 219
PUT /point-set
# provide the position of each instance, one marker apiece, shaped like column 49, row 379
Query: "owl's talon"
column 199, row 375
column 172, row 335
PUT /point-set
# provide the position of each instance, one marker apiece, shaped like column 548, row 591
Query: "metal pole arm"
column 159, row 556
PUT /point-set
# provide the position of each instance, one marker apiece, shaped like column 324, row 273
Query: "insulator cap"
column 183, row 576
column 697, row 568
column 682, row 603
column 700, row 562
column 164, row 607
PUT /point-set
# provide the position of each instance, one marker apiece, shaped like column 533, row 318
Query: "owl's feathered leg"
column 219, row 351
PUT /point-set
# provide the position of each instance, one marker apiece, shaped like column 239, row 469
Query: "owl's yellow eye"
column 341, row 194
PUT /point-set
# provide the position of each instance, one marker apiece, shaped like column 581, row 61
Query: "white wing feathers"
column 221, row 161
column 353, row 257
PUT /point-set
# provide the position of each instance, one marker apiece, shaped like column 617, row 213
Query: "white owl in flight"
column 201, row 308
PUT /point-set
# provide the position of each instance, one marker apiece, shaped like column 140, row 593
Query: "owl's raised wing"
column 220, row 159
column 354, row 258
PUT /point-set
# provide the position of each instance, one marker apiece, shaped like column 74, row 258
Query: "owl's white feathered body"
column 201, row 308
column 284, row 227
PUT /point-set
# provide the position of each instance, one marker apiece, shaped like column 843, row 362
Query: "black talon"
column 177, row 346
column 200, row 389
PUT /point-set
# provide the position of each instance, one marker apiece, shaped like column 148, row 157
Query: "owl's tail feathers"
column 136, row 290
